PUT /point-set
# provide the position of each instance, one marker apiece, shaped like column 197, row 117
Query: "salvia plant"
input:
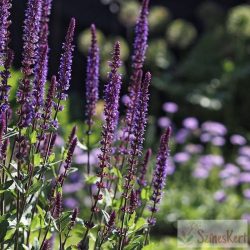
column 124, row 200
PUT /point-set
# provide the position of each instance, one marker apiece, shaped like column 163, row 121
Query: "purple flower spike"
column 160, row 173
column 44, row 31
column 138, row 57
column 40, row 80
column 71, row 150
column 4, row 25
column 92, row 81
column 143, row 170
column 4, row 87
column 2, row 131
column 31, row 35
column 111, row 221
column 57, row 209
column 141, row 37
column 141, row 117
column 64, row 74
column 112, row 93
column 30, row 39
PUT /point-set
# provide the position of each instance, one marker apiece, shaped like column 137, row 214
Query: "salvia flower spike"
column 92, row 80
column 4, row 25
column 160, row 174
column 4, row 87
column 143, row 170
column 111, row 112
column 30, row 39
column 64, row 74
column 138, row 57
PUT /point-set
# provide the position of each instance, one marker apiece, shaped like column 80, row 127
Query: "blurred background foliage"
column 199, row 56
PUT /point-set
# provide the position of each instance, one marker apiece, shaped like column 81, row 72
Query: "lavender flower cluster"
column 34, row 173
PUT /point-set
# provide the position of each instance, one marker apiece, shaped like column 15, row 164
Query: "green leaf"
column 33, row 137
column 81, row 146
column 36, row 159
column 116, row 172
column 65, row 219
column 18, row 183
column 91, row 179
column 150, row 246
column 107, row 197
column 4, row 224
column 141, row 222
column 35, row 187
column 145, row 193
column 52, row 157
column 5, row 186
column 106, row 216
column 131, row 221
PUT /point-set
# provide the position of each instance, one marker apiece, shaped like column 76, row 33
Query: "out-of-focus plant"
column 238, row 22
column 181, row 33
column 217, row 163
column 158, row 18
column 128, row 13
column 158, row 54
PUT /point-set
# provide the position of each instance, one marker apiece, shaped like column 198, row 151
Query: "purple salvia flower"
column 45, row 14
column 136, row 140
column 30, row 39
column 160, row 173
column 111, row 221
column 2, row 131
column 71, row 150
column 46, row 245
column 111, row 97
column 92, row 80
column 49, row 104
column 40, row 80
column 4, row 25
column 112, row 92
column 57, row 209
column 64, row 74
column 143, row 170
column 141, row 116
column 4, row 148
column 133, row 201
column 43, row 49
column 51, row 144
column 71, row 136
column 31, row 35
column 4, row 87
column 141, row 37
column 140, row 47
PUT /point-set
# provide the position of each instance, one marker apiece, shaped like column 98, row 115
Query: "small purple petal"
column 190, row 123
column 170, row 107
column 238, row 140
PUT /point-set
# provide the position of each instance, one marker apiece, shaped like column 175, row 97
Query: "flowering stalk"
column 142, row 182
column 92, row 84
column 136, row 143
column 71, row 225
column 138, row 57
column 30, row 39
column 108, row 228
column 64, row 76
column 4, row 26
column 160, row 174
column 112, row 93
column 56, row 199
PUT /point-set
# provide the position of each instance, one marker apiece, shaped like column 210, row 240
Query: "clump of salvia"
column 33, row 172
